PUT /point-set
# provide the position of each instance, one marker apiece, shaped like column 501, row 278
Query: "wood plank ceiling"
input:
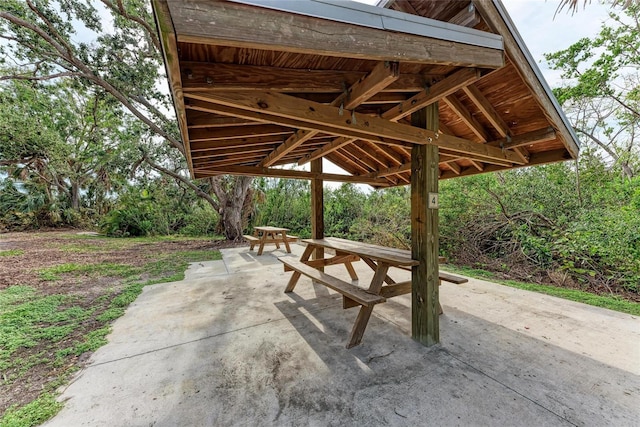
column 256, row 88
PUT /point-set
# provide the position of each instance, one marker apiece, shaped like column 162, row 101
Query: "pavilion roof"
column 258, row 84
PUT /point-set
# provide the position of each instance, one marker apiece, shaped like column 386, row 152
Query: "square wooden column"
column 425, row 326
column 317, row 207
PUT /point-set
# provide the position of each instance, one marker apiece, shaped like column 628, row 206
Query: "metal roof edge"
column 534, row 67
column 364, row 15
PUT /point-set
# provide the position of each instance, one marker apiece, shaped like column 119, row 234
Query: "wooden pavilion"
column 409, row 92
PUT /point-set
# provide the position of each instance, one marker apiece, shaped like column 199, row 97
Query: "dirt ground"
column 41, row 250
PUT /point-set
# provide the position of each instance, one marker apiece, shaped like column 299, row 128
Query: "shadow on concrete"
column 235, row 350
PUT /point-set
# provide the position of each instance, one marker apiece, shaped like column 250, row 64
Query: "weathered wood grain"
column 425, row 326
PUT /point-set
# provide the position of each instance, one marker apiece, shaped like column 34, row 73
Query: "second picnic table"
column 267, row 234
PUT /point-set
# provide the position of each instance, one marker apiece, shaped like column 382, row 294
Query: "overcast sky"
column 542, row 33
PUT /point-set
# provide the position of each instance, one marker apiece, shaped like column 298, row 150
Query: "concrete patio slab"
column 226, row 346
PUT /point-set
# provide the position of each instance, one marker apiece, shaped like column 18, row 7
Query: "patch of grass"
column 28, row 320
column 33, row 413
column 101, row 269
column 12, row 252
column 170, row 263
column 13, row 295
column 52, row 330
column 604, row 301
column 81, row 248
column 124, row 242
column 92, row 341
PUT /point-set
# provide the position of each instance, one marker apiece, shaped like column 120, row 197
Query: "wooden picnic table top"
column 392, row 256
column 269, row 229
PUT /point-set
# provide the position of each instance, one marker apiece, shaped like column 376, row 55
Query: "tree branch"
column 88, row 74
column 40, row 78
column 120, row 9
column 183, row 180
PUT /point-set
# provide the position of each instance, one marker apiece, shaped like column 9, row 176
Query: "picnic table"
column 271, row 235
column 381, row 287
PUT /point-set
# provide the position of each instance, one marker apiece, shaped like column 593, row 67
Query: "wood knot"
column 263, row 104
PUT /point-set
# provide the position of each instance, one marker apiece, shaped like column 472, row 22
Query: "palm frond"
column 573, row 5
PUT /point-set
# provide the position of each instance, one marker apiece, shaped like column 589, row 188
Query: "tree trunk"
column 75, row 196
column 232, row 203
column 231, row 193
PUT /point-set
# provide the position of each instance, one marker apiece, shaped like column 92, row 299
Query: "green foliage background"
column 550, row 224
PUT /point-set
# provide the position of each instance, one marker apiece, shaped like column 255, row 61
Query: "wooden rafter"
column 527, row 73
column 536, row 159
column 454, row 167
column 252, row 141
column 490, row 113
column 529, row 138
column 197, row 120
column 405, row 6
column 477, row 165
column 437, row 91
column 252, row 111
column 243, row 26
column 463, row 113
column 381, row 76
column 288, row 111
column 447, row 86
column 326, row 149
column 467, row 17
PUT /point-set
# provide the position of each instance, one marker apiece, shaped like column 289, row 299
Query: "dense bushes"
column 287, row 203
column 158, row 208
column 545, row 224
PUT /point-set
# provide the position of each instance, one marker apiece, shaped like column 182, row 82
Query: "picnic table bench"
column 379, row 258
column 270, row 235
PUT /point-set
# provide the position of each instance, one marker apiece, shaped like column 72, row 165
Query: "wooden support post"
column 317, row 208
column 425, row 327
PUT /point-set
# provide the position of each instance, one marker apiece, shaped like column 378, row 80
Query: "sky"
column 544, row 33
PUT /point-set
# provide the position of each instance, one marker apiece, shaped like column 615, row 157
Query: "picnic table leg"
column 348, row 265
column 263, row 238
column 286, row 243
column 351, row 271
column 365, row 312
column 274, row 236
column 373, row 266
column 294, row 278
